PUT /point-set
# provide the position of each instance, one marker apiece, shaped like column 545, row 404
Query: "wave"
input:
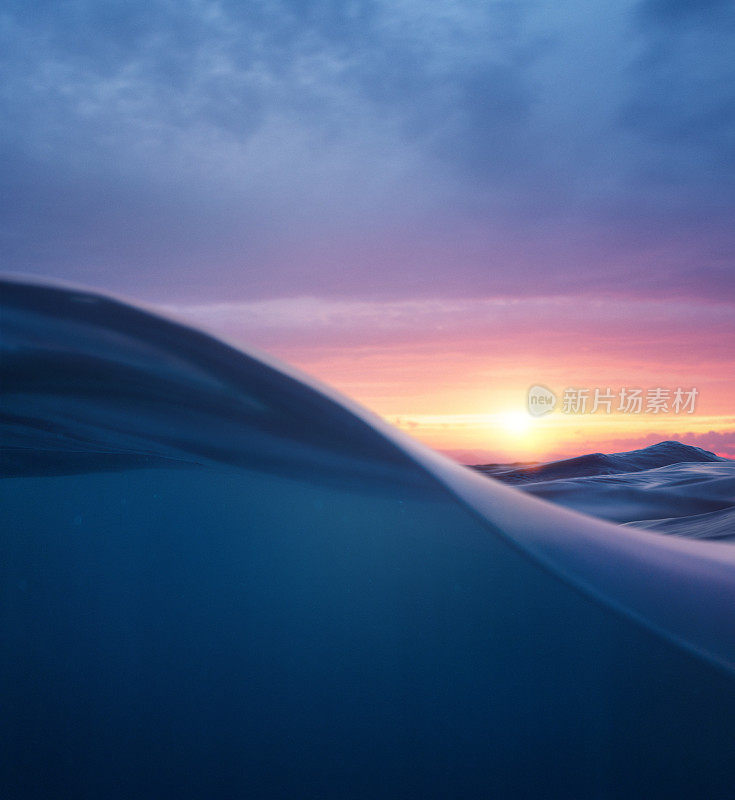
column 656, row 455
column 670, row 487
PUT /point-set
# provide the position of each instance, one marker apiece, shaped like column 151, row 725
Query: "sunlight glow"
column 516, row 423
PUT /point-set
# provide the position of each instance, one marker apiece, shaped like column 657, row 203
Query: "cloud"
column 640, row 337
column 369, row 148
column 682, row 98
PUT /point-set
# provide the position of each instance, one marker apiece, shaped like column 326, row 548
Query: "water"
column 219, row 581
column 668, row 487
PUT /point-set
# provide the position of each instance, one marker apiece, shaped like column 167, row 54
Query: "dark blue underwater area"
column 221, row 580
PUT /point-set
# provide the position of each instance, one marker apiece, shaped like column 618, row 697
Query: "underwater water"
column 220, row 580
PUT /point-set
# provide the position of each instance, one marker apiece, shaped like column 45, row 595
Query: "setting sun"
column 516, row 423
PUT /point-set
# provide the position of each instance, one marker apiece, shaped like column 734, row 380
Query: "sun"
column 515, row 423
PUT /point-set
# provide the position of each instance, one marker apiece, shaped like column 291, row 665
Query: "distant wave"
column 668, row 487
column 657, row 455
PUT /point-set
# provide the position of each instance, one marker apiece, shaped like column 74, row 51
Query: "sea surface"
column 220, row 579
column 669, row 487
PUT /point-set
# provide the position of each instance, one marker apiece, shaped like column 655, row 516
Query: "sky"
column 430, row 206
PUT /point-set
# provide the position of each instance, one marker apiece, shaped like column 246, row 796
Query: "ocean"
column 220, row 579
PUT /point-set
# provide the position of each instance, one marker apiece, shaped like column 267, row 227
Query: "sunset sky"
column 430, row 206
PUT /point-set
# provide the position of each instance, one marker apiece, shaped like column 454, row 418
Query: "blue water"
column 220, row 580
